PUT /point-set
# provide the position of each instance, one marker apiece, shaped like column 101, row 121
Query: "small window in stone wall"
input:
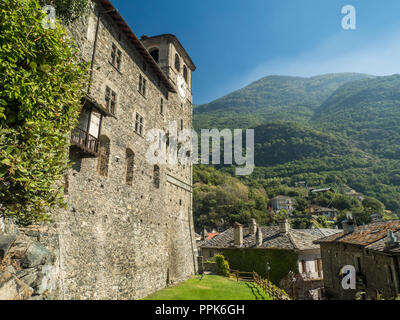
column 104, row 157
column 130, row 164
column 111, row 100
column 116, row 57
column 185, row 73
column 139, row 124
column 142, row 85
column 156, row 177
column 177, row 63
column 162, row 106
column 155, row 53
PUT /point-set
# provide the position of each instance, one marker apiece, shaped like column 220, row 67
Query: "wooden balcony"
column 85, row 142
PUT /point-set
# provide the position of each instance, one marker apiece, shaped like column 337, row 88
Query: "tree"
column 42, row 82
column 372, row 205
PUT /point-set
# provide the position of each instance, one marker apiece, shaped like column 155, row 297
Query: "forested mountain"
column 366, row 111
column 332, row 130
column 271, row 98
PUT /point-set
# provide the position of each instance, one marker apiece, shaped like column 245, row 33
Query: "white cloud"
column 341, row 53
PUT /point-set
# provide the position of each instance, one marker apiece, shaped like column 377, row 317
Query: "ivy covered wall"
column 249, row 260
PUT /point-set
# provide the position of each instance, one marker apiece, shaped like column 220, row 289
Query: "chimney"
column 253, row 226
column 348, row 224
column 284, row 226
column 238, row 234
column 391, row 240
column 204, row 234
column 259, row 237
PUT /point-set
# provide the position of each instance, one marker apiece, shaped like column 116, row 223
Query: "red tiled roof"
column 212, row 235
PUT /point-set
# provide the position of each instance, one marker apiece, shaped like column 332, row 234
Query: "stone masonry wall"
column 118, row 241
column 374, row 266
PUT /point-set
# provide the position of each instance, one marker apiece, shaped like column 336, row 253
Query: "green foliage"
column 42, row 82
column 220, row 200
column 222, row 265
column 249, row 260
column 269, row 99
column 331, row 130
column 68, row 10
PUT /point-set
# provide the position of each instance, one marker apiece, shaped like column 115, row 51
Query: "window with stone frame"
column 104, row 156
column 185, row 73
column 139, row 124
column 156, row 176
column 130, row 165
column 162, row 106
column 155, row 53
column 303, row 267
column 142, row 85
column 111, row 100
column 116, row 56
column 177, row 63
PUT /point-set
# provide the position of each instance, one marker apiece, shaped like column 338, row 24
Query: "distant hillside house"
column 282, row 203
column 249, row 249
column 329, row 213
column 323, row 190
column 373, row 250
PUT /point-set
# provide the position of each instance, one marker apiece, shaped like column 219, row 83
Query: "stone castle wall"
column 116, row 241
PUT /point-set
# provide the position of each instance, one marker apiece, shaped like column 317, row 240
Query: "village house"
column 282, row 203
column 373, row 250
column 285, row 249
column 329, row 213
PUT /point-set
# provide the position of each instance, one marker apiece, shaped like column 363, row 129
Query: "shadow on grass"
column 255, row 290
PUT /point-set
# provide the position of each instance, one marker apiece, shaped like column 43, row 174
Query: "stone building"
column 248, row 249
column 282, row 203
column 373, row 251
column 128, row 228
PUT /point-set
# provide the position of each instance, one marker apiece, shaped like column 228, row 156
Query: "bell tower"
column 173, row 60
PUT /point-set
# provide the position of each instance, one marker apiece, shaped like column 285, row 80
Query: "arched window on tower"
column 104, row 157
column 185, row 73
column 155, row 53
column 177, row 63
column 156, row 177
column 130, row 163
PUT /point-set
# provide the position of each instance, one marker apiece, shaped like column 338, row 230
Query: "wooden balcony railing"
column 86, row 142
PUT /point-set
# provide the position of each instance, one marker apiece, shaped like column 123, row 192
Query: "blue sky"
column 236, row 42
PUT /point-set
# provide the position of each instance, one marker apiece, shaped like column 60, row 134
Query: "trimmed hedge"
column 222, row 265
column 249, row 260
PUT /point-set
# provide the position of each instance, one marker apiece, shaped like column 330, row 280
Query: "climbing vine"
column 42, row 82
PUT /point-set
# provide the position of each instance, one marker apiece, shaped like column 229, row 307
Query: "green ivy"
column 249, row 260
column 42, row 82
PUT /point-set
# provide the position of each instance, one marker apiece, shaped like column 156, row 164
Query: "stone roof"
column 322, row 232
column 381, row 246
column 272, row 238
column 365, row 235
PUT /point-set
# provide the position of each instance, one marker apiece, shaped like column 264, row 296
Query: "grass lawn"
column 211, row 287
